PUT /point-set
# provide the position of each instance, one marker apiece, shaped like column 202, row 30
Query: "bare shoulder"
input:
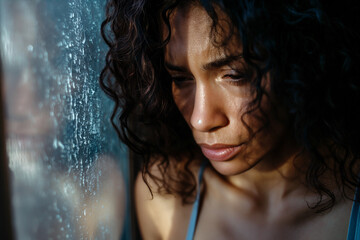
column 145, row 210
column 153, row 212
column 162, row 216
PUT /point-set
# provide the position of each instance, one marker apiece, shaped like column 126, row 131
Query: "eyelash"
column 180, row 80
column 235, row 79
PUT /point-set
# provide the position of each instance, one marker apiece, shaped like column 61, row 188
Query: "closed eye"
column 236, row 79
column 178, row 80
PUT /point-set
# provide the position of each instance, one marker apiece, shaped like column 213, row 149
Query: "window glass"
column 68, row 169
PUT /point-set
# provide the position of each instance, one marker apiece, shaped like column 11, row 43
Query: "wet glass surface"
column 68, row 169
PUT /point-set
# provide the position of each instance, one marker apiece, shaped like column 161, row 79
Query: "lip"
column 220, row 152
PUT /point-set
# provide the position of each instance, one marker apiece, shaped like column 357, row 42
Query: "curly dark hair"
column 310, row 48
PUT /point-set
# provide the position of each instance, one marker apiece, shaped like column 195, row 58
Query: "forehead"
column 193, row 33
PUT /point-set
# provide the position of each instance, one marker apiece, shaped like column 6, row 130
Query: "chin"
column 230, row 168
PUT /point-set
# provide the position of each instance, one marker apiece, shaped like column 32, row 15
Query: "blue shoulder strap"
column 195, row 210
column 354, row 224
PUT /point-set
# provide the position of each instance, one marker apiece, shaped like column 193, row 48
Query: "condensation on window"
column 68, row 168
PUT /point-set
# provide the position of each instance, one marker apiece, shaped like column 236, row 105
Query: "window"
column 68, row 170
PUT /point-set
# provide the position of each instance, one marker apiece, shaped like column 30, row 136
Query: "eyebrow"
column 224, row 61
column 217, row 63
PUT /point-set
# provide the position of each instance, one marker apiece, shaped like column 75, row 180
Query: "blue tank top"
column 354, row 224
column 195, row 210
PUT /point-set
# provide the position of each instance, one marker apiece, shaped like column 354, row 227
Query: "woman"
column 244, row 113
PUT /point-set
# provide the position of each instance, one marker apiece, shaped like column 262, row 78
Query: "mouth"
column 220, row 152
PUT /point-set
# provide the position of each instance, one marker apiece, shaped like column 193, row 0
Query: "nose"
column 209, row 111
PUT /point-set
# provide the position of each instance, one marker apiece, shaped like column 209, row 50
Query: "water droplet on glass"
column 30, row 48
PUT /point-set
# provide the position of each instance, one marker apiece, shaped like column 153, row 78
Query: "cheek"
column 184, row 99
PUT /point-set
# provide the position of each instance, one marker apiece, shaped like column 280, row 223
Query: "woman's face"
column 211, row 88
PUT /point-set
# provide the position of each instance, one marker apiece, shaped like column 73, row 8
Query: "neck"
column 276, row 175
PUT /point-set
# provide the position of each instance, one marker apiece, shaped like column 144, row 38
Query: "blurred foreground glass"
column 67, row 166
